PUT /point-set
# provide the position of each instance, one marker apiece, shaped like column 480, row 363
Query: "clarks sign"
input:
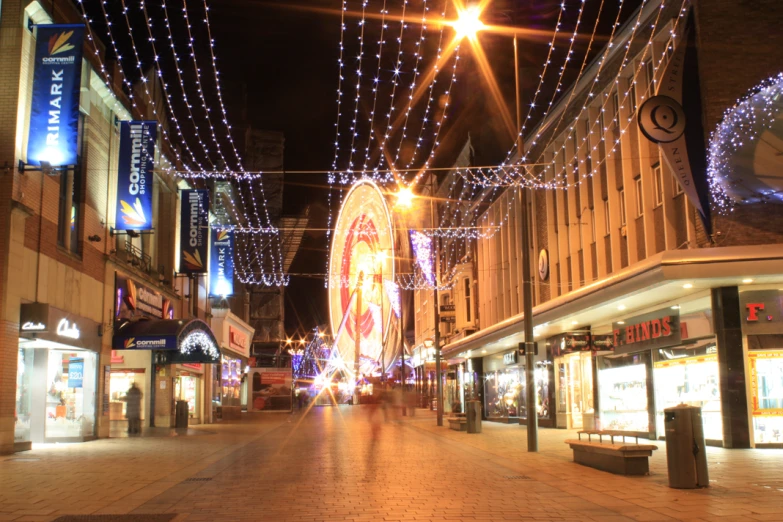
column 658, row 329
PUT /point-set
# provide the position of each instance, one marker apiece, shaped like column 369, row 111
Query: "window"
column 639, row 198
column 592, row 221
column 616, row 109
column 607, row 219
column 632, row 96
column 650, row 76
column 622, row 207
column 467, row 300
column 68, row 213
column 588, row 150
column 658, row 178
column 677, row 186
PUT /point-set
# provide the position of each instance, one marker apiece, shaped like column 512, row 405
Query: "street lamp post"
column 436, row 307
column 527, row 288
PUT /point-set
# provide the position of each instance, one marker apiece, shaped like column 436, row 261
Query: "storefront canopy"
column 176, row 341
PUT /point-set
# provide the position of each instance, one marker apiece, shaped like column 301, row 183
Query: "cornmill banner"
column 221, row 263
column 134, row 175
column 194, row 235
column 54, row 112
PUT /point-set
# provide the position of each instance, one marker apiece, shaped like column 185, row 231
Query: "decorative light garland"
column 743, row 123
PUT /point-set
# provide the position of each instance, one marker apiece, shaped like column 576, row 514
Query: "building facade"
column 74, row 290
column 647, row 292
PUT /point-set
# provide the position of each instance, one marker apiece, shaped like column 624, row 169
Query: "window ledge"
column 67, row 252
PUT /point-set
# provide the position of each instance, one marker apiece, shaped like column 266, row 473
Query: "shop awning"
column 176, row 340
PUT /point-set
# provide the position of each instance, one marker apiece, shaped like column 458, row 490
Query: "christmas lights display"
column 252, row 218
column 199, row 340
column 744, row 153
column 422, row 252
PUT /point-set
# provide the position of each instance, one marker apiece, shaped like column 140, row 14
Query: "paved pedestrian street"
column 348, row 464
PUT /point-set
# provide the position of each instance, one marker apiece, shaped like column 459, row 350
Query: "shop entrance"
column 575, row 391
column 120, row 383
column 55, row 393
column 187, row 387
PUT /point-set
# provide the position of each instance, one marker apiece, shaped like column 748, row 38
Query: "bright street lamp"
column 405, row 198
column 468, row 23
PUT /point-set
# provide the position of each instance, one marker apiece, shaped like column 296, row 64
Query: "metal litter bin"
column 473, row 414
column 686, row 454
column 181, row 419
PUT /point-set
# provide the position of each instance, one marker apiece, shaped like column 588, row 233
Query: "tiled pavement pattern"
column 348, row 465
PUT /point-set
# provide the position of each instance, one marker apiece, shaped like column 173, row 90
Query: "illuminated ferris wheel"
column 362, row 296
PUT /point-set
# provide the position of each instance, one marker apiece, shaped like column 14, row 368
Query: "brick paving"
column 347, row 464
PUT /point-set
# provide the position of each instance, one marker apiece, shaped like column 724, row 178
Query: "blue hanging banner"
column 54, row 113
column 194, row 235
column 221, row 263
column 134, row 175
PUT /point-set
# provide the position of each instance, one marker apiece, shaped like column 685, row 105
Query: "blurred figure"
column 133, row 409
column 410, row 402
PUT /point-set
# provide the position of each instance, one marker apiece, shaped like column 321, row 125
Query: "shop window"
column 70, row 395
column 766, row 377
column 23, row 413
column 623, row 395
column 689, row 375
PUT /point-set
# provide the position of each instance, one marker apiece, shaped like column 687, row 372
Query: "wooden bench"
column 458, row 423
column 621, row 458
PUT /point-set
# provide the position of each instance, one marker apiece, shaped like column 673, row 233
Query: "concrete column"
column 731, row 362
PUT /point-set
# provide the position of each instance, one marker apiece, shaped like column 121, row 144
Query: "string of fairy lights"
column 249, row 257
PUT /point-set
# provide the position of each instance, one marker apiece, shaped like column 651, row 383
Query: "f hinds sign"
column 762, row 311
column 659, row 329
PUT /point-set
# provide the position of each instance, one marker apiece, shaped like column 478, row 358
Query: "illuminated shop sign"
column 133, row 299
column 134, row 175
column 659, row 329
column 510, row 357
column 237, row 341
column 66, row 329
column 571, row 342
column 762, row 312
column 54, row 108
column 41, row 321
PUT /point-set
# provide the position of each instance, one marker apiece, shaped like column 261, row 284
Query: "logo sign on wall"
column 194, row 235
column 133, row 299
column 134, row 175
column 75, row 373
column 54, row 111
column 221, row 263
column 659, row 329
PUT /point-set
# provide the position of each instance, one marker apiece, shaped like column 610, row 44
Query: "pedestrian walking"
column 133, row 409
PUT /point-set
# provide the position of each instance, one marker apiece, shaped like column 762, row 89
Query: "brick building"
column 641, row 301
column 69, row 281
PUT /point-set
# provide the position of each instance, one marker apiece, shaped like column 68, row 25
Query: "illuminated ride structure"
column 364, row 306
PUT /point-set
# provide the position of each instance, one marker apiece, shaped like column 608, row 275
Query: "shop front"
column 57, row 377
column 762, row 326
column 178, row 351
column 661, row 359
column 230, row 388
column 505, row 384
column 574, row 354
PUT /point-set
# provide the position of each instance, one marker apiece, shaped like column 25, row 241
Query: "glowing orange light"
column 468, row 23
column 405, row 197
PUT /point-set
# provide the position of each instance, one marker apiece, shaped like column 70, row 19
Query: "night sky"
column 278, row 69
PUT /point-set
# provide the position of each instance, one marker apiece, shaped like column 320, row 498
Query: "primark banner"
column 54, row 113
column 194, row 231
column 221, row 263
column 134, row 175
